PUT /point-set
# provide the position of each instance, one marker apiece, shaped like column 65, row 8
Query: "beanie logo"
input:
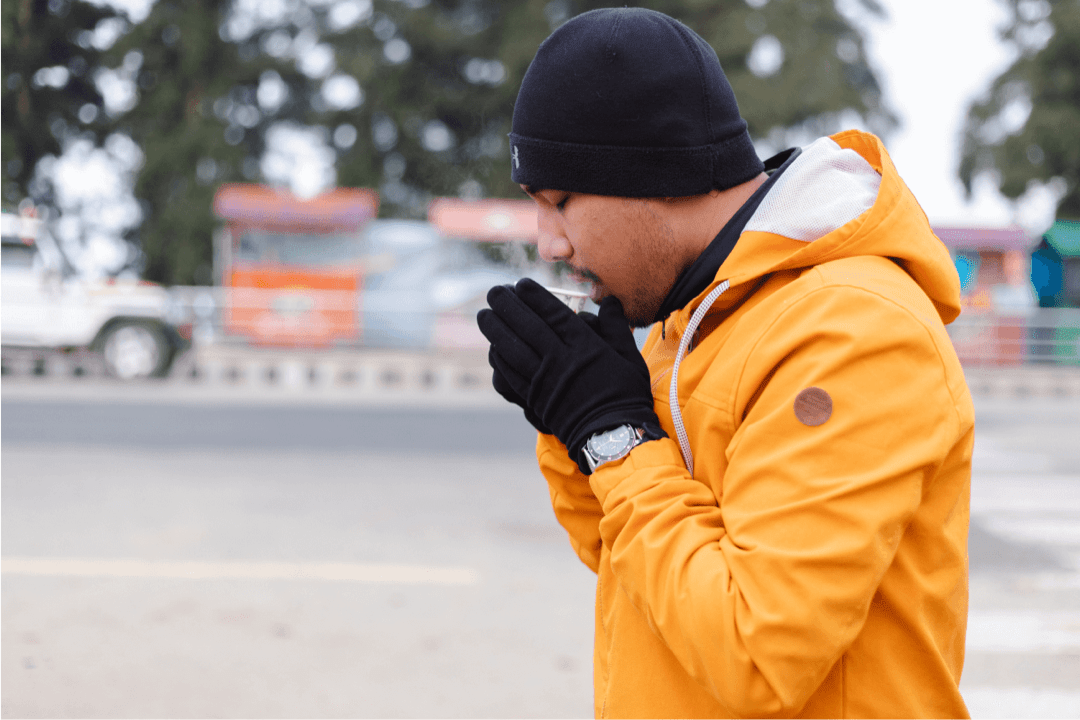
column 517, row 162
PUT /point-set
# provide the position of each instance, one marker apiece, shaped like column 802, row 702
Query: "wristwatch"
column 603, row 447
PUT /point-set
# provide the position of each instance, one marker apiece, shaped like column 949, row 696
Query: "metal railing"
column 309, row 318
column 1035, row 336
column 299, row 337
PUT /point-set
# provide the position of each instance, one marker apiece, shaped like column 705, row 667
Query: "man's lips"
column 596, row 289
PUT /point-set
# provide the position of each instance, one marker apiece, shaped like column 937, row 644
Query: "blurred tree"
column 441, row 79
column 200, row 121
column 1027, row 129
column 50, row 52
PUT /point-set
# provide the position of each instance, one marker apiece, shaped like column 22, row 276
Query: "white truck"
column 46, row 306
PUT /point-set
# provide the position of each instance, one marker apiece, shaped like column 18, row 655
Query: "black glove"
column 576, row 380
column 502, row 386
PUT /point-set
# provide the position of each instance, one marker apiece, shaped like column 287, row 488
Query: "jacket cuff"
column 663, row 455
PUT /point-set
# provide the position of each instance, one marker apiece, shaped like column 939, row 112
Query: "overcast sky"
column 935, row 57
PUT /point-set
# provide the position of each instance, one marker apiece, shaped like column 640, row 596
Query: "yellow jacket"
column 804, row 568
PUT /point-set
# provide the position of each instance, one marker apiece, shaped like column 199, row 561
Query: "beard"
column 649, row 252
column 642, row 313
column 643, row 265
column 640, row 306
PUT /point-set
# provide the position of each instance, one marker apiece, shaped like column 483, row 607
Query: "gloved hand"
column 502, row 385
column 576, row 380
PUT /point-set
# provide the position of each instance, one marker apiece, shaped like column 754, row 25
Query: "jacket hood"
column 842, row 197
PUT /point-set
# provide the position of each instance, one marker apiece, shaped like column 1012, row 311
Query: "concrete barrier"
column 374, row 370
column 429, row 371
column 253, row 367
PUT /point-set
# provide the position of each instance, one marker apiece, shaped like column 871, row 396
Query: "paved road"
column 279, row 427
column 285, row 559
column 1024, row 627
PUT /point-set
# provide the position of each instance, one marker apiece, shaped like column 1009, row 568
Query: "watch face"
column 611, row 443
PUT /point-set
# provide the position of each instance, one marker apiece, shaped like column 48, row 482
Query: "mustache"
column 583, row 272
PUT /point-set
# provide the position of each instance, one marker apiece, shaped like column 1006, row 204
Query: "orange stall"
column 293, row 267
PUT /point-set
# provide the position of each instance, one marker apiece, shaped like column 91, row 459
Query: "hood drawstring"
column 663, row 329
column 673, row 394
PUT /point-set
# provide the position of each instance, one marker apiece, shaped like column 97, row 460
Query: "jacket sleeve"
column 759, row 595
column 575, row 505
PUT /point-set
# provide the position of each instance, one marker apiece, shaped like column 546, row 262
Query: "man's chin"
column 638, row 317
column 637, row 322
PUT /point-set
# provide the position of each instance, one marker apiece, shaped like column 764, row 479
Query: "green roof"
column 1064, row 236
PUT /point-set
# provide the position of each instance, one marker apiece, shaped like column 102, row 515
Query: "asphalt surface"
column 254, row 558
column 431, row 431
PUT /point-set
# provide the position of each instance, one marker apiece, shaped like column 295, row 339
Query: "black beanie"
column 632, row 103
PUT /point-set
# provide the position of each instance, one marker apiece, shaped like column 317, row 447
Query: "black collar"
column 701, row 273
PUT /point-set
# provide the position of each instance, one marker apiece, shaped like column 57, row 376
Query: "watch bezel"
column 594, row 459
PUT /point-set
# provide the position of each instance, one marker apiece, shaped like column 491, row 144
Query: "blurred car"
column 430, row 279
column 44, row 304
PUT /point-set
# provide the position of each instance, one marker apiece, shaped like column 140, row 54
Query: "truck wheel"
column 135, row 350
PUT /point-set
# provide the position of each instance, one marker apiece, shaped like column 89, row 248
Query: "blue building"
column 1055, row 265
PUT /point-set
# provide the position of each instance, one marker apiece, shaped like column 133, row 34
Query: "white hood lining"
column 825, row 188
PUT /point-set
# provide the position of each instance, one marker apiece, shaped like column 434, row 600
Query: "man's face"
column 622, row 246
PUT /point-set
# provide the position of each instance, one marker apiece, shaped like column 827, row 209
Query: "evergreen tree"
column 1042, row 88
column 437, row 120
column 199, row 123
column 49, row 59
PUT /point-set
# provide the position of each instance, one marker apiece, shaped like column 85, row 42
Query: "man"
column 774, row 491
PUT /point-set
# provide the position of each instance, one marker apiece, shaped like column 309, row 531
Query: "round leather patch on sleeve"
column 813, row 406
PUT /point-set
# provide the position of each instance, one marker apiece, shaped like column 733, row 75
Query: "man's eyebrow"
column 528, row 189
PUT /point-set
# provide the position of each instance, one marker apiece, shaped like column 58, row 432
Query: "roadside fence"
column 387, row 339
column 1045, row 337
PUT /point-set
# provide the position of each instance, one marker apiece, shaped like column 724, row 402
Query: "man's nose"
column 551, row 241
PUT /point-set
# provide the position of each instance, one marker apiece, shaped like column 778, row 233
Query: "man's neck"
column 714, row 212
column 729, row 211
